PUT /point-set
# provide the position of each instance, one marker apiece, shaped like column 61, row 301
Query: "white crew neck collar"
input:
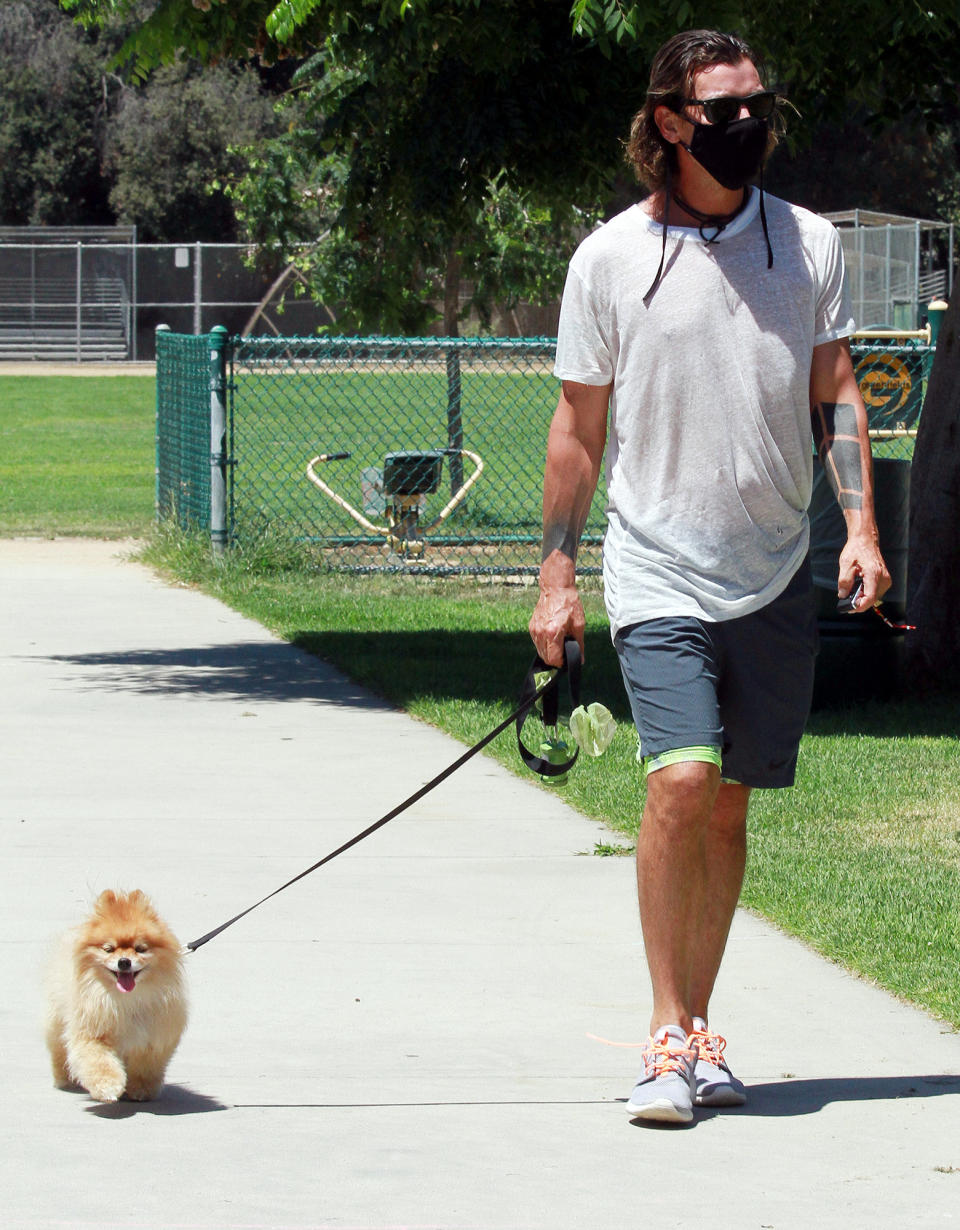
column 739, row 224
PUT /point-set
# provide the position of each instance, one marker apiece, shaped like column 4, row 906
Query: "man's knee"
column 682, row 793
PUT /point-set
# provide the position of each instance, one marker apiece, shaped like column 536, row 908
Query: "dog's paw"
column 143, row 1091
column 106, row 1091
column 106, row 1082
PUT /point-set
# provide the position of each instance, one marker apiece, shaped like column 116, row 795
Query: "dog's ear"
column 139, row 900
column 106, row 898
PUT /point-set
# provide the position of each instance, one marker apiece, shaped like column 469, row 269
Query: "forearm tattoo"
column 560, row 536
column 836, row 435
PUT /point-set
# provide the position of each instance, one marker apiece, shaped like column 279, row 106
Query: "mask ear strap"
column 663, row 235
column 763, row 223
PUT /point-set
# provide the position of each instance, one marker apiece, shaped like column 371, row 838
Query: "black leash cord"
column 527, row 701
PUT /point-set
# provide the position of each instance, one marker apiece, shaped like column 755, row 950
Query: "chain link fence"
column 95, row 293
column 89, row 294
column 85, row 294
column 895, row 265
column 390, row 453
column 418, row 454
column 183, row 428
column 66, row 301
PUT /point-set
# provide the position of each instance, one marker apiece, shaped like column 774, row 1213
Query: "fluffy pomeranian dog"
column 117, row 1003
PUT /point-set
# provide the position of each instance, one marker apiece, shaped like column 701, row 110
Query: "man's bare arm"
column 840, row 434
column 575, row 445
column 836, row 436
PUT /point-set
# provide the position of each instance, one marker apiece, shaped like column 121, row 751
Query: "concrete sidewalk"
column 400, row 1040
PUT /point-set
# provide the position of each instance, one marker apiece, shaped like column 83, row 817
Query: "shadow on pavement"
column 807, row 1097
column 174, row 1100
column 255, row 671
column 485, row 666
column 788, row 1098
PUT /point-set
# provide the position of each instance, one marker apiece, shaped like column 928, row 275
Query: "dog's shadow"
column 174, row 1100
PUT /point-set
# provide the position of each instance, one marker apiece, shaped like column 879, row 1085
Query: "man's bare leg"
column 690, row 860
column 726, row 856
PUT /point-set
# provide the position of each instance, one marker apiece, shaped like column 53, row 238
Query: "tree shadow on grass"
column 449, row 665
column 932, row 717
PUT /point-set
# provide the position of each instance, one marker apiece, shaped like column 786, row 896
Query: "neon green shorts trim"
column 679, row 755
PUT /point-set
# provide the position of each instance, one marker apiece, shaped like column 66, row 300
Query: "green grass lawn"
column 76, row 455
column 861, row 859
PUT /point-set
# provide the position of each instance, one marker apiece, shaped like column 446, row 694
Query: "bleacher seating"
column 39, row 319
column 65, row 292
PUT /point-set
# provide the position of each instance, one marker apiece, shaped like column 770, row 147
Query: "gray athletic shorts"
column 741, row 688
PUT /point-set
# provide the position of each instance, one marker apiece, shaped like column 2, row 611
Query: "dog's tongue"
column 126, row 981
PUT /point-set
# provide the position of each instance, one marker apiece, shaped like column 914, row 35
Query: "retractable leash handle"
column 551, row 705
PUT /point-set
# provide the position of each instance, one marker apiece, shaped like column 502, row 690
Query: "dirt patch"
column 83, row 553
column 13, row 367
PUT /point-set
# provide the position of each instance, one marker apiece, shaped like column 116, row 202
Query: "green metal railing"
column 419, row 454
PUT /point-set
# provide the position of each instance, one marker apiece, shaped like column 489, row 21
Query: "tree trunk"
column 451, row 294
column 933, row 583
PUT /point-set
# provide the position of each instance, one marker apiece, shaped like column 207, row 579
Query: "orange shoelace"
column 708, row 1046
column 658, row 1057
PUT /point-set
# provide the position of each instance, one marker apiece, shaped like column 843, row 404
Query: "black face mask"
column 732, row 153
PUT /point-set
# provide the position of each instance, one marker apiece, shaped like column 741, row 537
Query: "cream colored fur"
column 115, row 1042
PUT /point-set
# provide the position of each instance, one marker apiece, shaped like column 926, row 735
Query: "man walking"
column 711, row 322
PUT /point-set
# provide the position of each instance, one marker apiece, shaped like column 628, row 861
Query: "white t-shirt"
column 709, row 459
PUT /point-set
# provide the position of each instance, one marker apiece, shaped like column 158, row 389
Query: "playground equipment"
column 398, row 492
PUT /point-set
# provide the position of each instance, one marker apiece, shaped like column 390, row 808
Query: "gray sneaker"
column 715, row 1083
column 666, row 1090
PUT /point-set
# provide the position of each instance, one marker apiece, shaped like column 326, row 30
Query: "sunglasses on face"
column 727, row 107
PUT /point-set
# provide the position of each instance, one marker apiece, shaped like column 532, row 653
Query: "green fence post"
column 158, row 422
column 218, row 439
column 454, row 420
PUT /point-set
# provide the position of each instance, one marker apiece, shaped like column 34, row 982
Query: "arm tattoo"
column 836, row 435
column 560, row 536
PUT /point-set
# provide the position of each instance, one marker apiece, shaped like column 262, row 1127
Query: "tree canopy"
column 430, row 141
column 460, row 151
column 888, row 57
column 891, row 59
column 51, row 120
column 169, row 147
column 79, row 145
